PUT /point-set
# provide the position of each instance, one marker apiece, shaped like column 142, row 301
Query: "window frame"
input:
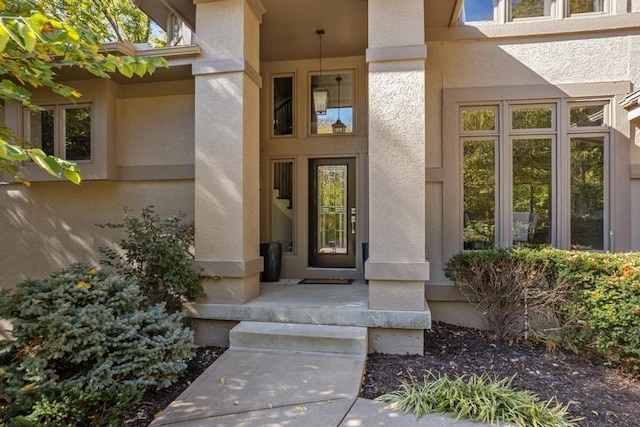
column 59, row 128
column 561, row 135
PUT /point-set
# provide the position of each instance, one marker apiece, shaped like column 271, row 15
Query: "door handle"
column 353, row 220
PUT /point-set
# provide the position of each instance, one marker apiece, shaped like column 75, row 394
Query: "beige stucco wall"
column 147, row 129
column 52, row 224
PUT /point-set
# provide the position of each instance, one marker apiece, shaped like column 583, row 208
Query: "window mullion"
column 505, row 180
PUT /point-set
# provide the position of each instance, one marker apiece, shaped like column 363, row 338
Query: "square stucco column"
column 227, row 86
column 397, row 269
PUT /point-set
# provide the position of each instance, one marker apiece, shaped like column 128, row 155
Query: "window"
column 283, row 106
column 63, row 130
column 529, row 8
column 282, row 204
column 585, row 6
column 536, row 181
column 335, row 116
column 477, row 11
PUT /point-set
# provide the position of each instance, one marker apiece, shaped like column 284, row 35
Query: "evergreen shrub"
column 83, row 349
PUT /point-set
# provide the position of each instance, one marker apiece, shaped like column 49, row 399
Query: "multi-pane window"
column 533, row 178
column 478, row 11
column 62, row 130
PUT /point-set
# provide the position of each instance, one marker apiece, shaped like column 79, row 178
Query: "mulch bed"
column 603, row 397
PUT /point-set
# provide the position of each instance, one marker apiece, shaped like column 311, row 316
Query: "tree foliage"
column 33, row 47
column 107, row 20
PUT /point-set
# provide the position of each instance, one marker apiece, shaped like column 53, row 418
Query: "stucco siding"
column 156, row 130
column 536, row 61
column 52, row 224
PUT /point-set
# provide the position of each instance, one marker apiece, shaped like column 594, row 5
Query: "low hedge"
column 588, row 301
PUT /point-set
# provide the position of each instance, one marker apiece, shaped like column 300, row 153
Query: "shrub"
column 478, row 398
column 157, row 255
column 594, row 298
column 510, row 287
column 83, row 349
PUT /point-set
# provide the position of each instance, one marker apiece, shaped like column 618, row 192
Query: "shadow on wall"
column 52, row 224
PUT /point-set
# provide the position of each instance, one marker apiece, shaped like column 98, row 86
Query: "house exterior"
column 447, row 126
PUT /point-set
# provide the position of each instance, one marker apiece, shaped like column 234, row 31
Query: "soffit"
column 288, row 26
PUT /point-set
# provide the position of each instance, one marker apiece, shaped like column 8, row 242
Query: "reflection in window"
column 477, row 10
column 479, row 119
column 586, row 115
column 530, row 8
column 77, row 132
column 585, row 6
column 283, row 105
column 479, row 193
column 587, row 193
column 282, row 208
column 332, row 209
column 340, row 104
column 532, row 191
column 39, row 129
column 532, row 117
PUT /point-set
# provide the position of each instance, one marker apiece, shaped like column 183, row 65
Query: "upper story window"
column 60, row 130
column 477, row 10
column 585, row 6
column 332, row 103
column 529, row 8
column 513, row 10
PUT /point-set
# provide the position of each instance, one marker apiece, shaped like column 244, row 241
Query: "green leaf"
column 12, row 152
column 72, row 176
column 29, row 37
column 125, row 69
column 4, row 38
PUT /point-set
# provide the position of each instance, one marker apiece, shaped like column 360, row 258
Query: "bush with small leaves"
column 157, row 255
column 83, row 350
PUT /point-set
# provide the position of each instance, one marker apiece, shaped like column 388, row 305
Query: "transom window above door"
column 332, row 100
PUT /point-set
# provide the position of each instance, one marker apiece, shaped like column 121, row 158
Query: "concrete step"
column 299, row 337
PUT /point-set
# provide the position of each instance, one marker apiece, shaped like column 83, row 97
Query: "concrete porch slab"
column 341, row 305
column 245, row 381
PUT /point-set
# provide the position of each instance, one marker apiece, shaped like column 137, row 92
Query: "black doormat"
column 325, row 282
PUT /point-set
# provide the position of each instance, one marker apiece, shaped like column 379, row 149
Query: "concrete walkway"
column 259, row 388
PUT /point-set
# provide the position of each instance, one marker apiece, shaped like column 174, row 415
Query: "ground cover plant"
column 587, row 302
column 479, row 398
column 83, row 350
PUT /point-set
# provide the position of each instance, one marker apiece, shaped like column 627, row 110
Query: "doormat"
column 325, row 282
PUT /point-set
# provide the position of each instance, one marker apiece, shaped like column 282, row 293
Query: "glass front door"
column 332, row 213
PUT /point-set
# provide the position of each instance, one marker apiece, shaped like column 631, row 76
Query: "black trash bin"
column 272, row 255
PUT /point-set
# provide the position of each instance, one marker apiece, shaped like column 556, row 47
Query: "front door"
column 332, row 213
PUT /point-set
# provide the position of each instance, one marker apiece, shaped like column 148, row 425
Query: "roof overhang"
column 631, row 103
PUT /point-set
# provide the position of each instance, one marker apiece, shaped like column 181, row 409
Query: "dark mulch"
column 156, row 400
column 603, row 397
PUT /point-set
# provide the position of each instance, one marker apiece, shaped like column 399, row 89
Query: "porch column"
column 227, row 84
column 397, row 269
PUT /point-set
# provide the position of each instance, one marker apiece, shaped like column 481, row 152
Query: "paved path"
column 254, row 388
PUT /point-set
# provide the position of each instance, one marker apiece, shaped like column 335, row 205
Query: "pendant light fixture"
column 320, row 93
column 338, row 126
